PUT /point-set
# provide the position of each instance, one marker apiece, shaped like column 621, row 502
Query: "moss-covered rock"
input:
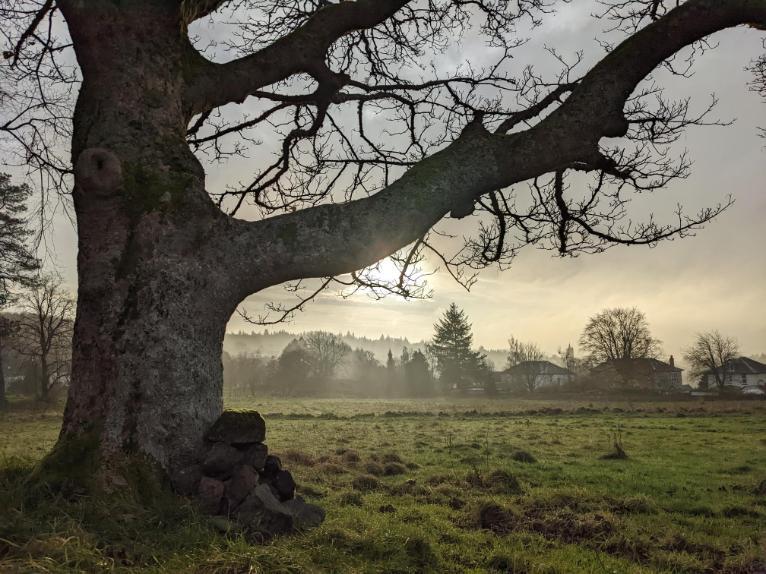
column 238, row 428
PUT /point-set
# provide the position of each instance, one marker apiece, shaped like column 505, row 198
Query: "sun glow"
column 386, row 271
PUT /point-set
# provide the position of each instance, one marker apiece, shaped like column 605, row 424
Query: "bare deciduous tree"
column 163, row 259
column 525, row 355
column 329, row 351
column 44, row 332
column 619, row 333
column 519, row 352
column 711, row 352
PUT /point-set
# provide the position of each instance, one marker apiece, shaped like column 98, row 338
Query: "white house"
column 743, row 373
column 531, row 375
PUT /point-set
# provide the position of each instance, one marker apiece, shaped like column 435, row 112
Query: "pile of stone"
column 239, row 480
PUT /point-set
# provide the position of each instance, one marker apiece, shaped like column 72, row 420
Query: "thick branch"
column 333, row 239
column 213, row 85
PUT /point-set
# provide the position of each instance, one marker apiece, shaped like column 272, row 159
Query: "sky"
column 715, row 280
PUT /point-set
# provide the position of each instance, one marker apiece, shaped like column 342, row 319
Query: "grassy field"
column 438, row 486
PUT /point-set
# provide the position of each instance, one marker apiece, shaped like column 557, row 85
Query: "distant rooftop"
column 541, row 367
column 642, row 363
column 742, row 366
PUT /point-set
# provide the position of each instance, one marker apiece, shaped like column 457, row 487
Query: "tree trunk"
column 44, row 377
column 153, row 303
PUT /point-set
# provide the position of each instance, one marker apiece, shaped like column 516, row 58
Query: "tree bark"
column 44, row 378
column 152, row 301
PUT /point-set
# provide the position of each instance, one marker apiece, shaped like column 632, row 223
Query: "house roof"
column 642, row 364
column 540, row 367
column 741, row 366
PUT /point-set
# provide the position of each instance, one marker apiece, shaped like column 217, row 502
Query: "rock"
column 210, row 494
column 242, row 483
column 261, row 512
column 305, row 515
column 271, row 467
column 238, row 428
column 255, row 455
column 221, row 460
column 284, row 484
column 186, row 481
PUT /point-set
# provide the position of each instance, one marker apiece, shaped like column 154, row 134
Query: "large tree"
column 619, row 333
column 710, row 353
column 163, row 258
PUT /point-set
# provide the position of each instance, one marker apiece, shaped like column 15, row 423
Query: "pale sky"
column 714, row 280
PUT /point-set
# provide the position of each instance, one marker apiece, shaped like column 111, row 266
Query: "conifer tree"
column 451, row 346
column 417, row 375
column 17, row 263
column 391, row 374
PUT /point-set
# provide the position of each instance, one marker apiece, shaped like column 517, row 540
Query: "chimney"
column 672, row 361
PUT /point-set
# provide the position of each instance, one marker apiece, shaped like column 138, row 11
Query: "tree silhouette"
column 458, row 364
column 619, row 333
column 525, row 356
column 44, row 332
column 711, row 352
column 17, row 262
column 376, row 145
column 417, row 375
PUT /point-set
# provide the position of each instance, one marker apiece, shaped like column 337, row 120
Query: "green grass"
column 437, row 486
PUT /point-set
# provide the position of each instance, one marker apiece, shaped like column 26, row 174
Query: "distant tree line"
column 320, row 363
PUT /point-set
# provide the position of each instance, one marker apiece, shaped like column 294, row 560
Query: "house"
column 747, row 375
column 531, row 375
column 644, row 374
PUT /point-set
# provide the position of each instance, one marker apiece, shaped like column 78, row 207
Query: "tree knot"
column 98, row 171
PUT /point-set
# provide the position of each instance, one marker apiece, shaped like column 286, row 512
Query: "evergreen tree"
column 417, row 375
column 391, row 374
column 451, row 347
column 17, row 263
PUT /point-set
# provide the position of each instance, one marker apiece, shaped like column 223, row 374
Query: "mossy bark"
column 152, row 306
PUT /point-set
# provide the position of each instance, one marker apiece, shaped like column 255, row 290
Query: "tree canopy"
column 17, row 260
column 619, row 333
column 354, row 101
column 710, row 353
